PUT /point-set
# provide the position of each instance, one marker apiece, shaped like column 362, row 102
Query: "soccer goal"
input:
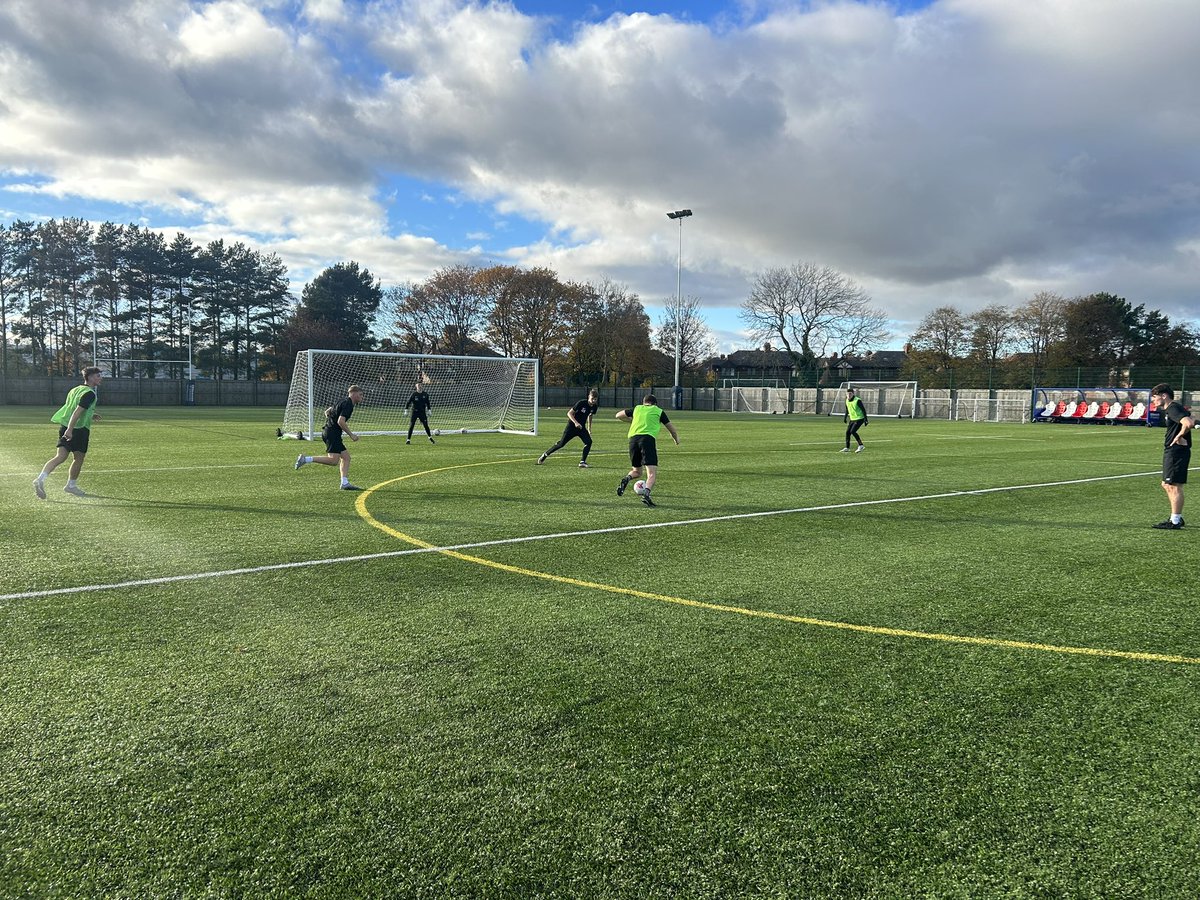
column 983, row 409
column 759, row 400
column 891, row 399
column 467, row 393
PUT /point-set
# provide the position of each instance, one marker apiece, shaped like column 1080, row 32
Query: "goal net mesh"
column 759, row 400
column 466, row 393
column 895, row 399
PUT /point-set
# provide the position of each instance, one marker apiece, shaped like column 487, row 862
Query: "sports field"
column 959, row 664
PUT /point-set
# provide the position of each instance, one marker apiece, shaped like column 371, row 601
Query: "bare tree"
column 682, row 317
column 1040, row 323
column 812, row 310
column 941, row 338
column 991, row 333
column 441, row 314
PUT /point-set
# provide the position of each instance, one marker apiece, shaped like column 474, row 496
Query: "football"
column 437, row 431
column 639, row 487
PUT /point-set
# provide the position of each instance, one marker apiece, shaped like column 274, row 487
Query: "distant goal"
column 467, row 393
column 890, row 399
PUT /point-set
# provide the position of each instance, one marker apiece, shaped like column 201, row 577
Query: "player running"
column 337, row 423
column 74, row 420
column 579, row 425
column 647, row 420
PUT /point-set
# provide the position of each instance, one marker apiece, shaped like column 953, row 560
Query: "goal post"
column 467, row 393
column 888, row 399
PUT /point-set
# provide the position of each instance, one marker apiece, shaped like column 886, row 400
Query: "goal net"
column 466, row 393
column 894, row 399
column 983, row 409
column 759, row 400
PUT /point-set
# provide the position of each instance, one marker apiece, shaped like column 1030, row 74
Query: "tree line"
column 1048, row 333
column 121, row 295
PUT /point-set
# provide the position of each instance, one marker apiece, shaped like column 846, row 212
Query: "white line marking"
column 197, row 576
column 91, row 471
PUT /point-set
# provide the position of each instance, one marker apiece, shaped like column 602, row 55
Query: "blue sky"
column 964, row 152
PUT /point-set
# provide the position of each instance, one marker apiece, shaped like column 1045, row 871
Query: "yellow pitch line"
column 878, row 630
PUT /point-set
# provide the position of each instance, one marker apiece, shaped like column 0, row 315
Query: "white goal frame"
column 881, row 399
column 761, row 400
column 983, row 409
column 468, row 394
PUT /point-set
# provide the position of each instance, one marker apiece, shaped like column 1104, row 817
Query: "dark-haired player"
column 647, row 420
column 421, row 404
column 74, row 420
column 1177, row 450
column 579, row 425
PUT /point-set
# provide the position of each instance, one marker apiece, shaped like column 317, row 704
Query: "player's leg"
column 344, row 470
column 635, row 465
column 853, row 431
column 586, row 437
column 425, row 425
column 39, row 483
column 849, row 433
column 412, row 421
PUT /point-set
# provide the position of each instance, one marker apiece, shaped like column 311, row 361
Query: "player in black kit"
column 579, row 425
column 1177, row 451
column 421, row 404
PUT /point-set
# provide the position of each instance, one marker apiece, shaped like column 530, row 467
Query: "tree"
column 941, row 337
column 1040, row 324
column 1099, row 330
column 611, row 335
column 812, row 310
column 10, row 292
column 345, row 298
column 442, row 314
column 991, row 333
column 682, row 317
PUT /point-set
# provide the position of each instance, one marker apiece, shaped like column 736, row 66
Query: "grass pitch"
column 959, row 664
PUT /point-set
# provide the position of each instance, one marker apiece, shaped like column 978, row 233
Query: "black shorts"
column 643, row 451
column 79, row 439
column 1175, row 464
column 333, row 439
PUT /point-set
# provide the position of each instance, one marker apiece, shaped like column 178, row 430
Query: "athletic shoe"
column 1168, row 525
column 39, row 488
column 860, row 448
column 408, row 441
column 432, row 441
column 351, row 487
column 75, row 489
column 583, row 465
column 299, row 460
column 621, row 487
column 844, row 450
column 541, row 459
column 646, row 499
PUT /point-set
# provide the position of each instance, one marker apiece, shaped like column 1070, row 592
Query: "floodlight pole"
column 191, row 371
column 677, row 393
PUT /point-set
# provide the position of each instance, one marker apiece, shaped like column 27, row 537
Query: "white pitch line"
column 254, row 570
column 160, row 469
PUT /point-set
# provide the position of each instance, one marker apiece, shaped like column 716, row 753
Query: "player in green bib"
column 74, row 420
column 855, row 418
column 647, row 420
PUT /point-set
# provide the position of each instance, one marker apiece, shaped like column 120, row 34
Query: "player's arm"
column 345, row 426
column 674, row 433
column 1186, row 424
column 78, row 411
column 624, row 414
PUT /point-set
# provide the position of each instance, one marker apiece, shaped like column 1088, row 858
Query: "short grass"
column 668, row 712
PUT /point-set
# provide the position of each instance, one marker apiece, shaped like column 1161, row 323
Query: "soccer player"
column 1177, row 450
column 74, row 420
column 579, row 425
column 647, row 420
column 337, row 423
column 855, row 418
column 421, row 404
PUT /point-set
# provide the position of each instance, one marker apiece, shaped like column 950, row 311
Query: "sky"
column 954, row 152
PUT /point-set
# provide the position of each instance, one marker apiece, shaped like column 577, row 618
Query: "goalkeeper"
column 855, row 418
column 421, row 404
column 579, row 425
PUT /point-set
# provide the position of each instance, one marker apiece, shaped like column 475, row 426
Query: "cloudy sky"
column 961, row 152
